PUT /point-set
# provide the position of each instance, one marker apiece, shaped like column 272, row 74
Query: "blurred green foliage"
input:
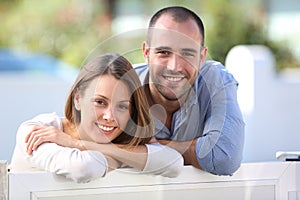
column 72, row 30
column 233, row 24
column 65, row 29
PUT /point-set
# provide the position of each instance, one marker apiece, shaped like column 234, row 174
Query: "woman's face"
column 105, row 109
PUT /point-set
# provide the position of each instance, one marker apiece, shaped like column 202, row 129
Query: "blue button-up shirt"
column 211, row 114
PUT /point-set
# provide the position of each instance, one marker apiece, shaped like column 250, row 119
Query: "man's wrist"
column 190, row 156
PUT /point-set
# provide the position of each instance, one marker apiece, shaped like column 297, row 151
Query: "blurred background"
column 70, row 29
column 44, row 43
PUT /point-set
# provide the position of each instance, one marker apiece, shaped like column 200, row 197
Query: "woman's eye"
column 123, row 107
column 99, row 102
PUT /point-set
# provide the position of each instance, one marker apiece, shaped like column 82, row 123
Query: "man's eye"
column 164, row 52
column 188, row 54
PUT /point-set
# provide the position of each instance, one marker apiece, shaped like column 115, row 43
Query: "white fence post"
column 270, row 104
column 3, row 180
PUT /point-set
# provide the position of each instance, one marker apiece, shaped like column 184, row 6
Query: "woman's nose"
column 108, row 114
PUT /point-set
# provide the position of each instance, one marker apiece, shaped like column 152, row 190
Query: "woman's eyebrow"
column 125, row 101
column 104, row 97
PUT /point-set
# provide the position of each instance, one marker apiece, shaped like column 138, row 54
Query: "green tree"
column 232, row 24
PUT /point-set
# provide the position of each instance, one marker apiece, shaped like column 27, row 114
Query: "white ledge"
column 271, row 180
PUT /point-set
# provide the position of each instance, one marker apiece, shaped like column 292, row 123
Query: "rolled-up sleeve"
column 219, row 150
column 80, row 166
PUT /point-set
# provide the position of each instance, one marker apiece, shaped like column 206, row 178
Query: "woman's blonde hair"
column 139, row 129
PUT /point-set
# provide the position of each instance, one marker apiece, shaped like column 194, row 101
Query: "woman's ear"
column 77, row 100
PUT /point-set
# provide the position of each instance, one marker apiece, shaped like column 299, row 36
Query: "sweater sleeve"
column 163, row 160
column 80, row 166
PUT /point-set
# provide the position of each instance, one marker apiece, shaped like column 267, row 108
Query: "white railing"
column 253, row 181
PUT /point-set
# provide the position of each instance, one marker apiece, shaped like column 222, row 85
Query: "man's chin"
column 170, row 95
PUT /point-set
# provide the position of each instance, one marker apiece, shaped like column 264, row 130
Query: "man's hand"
column 187, row 149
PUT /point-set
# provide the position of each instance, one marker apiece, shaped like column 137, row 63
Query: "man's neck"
column 162, row 108
column 154, row 97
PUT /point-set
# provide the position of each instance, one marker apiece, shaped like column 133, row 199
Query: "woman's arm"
column 151, row 158
column 80, row 166
column 163, row 160
column 135, row 156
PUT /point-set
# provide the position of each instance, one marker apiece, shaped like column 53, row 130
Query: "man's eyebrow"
column 163, row 48
column 189, row 50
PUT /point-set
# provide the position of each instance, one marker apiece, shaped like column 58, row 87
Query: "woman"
column 107, row 125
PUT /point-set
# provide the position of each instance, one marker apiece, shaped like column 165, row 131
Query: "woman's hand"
column 41, row 134
column 112, row 163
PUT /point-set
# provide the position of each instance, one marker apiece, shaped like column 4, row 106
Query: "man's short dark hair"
column 179, row 14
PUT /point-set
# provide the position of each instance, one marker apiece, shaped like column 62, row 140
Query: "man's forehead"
column 172, row 39
column 166, row 24
column 173, row 32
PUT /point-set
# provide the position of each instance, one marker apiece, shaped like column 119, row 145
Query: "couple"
column 196, row 117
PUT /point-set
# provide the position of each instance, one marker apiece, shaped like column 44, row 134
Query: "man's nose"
column 175, row 63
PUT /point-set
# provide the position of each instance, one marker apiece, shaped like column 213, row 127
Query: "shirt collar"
column 192, row 98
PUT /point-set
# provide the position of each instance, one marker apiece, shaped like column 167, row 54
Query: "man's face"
column 174, row 57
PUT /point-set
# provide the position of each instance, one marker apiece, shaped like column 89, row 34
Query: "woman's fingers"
column 41, row 134
column 31, row 129
column 37, row 137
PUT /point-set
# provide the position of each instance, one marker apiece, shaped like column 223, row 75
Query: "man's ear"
column 145, row 49
column 77, row 100
column 203, row 55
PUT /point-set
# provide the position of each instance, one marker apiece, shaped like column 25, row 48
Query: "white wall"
column 269, row 102
column 25, row 95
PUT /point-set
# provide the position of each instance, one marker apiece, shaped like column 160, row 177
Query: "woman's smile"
column 105, row 129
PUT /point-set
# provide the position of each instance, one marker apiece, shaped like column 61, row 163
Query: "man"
column 193, row 101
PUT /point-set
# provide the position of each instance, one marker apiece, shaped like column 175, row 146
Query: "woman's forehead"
column 109, row 86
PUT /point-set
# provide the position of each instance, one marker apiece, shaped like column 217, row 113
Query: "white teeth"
column 105, row 128
column 174, row 79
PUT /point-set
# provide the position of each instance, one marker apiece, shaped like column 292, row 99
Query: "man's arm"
column 219, row 150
